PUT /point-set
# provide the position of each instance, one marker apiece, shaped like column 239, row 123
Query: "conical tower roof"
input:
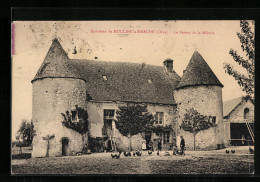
column 198, row 72
column 57, row 64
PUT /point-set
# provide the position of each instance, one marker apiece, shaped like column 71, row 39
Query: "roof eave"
column 122, row 101
column 181, row 87
column 41, row 78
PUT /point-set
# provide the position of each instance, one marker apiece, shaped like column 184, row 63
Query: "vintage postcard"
column 133, row 97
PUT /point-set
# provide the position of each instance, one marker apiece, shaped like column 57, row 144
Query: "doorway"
column 239, row 131
column 65, row 146
column 148, row 137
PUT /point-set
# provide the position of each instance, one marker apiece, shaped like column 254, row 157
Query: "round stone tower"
column 199, row 88
column 57, row 87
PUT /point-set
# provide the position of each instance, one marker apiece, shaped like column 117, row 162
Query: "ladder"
column 250, row 131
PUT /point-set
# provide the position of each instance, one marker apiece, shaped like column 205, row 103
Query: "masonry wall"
column 51, row 97
column 96, row 119
column 207, row 100
column 237, row 116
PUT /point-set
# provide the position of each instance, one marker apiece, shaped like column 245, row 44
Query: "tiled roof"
column 56, row 64
column 198, row 73
column 130, row 82
column 230, row 105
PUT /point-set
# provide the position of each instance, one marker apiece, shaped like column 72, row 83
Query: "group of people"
column 159, row 146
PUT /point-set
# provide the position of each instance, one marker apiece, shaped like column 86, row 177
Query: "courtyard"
column 194, row 162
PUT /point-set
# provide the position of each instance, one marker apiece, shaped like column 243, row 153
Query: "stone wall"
column 207, row 100
column 237, row 116
column 96, row 112
column 51, row 97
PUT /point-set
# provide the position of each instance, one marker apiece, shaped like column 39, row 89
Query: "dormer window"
column 104, row 77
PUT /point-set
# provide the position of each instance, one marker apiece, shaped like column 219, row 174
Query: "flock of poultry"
column 138, row 153
column 126, row 154
column 251, row 151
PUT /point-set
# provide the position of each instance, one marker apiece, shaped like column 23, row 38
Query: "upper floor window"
column 212, row 119
column 159, row 118
column 246, row 113
column 109, row 113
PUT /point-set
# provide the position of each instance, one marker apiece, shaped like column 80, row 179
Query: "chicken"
column 233, row 151
column 251, row 151
column 117, row 156
column 227, row 151
column 150, row 152
column 138, row 153
column 125, row 154
column 133, row 154
column 158, row 152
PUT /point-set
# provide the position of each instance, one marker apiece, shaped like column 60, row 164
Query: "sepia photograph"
column 133, row 97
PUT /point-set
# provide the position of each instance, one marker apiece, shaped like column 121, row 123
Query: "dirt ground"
column 194, row 162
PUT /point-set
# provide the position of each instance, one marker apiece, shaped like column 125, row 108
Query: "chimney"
column 168, row 64
column 184, row 71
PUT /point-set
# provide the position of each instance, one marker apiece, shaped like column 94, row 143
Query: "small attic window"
column 149, row 81
column 104, row 78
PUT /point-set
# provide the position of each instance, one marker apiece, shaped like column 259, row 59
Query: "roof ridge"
column 117, row 62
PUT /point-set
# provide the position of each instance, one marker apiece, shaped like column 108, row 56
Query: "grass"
column 205, row 165
column 104, row 164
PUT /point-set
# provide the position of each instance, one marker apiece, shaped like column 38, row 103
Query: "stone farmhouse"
column 101, row 87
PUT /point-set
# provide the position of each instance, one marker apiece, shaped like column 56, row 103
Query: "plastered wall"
column 51, row 97
column 207, row 100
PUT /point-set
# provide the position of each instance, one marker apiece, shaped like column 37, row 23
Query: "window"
column 159, row 118
column 109, row 113
column 246, row 113
column 212, row 119
column 166, row 137
column 108, row 119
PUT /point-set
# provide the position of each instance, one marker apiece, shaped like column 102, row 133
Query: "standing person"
column 182, row 145
column 109, row 146
column 151, row 145
column 243, row 140
column 159, row 145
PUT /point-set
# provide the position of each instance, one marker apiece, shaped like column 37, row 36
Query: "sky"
column 149, row 42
